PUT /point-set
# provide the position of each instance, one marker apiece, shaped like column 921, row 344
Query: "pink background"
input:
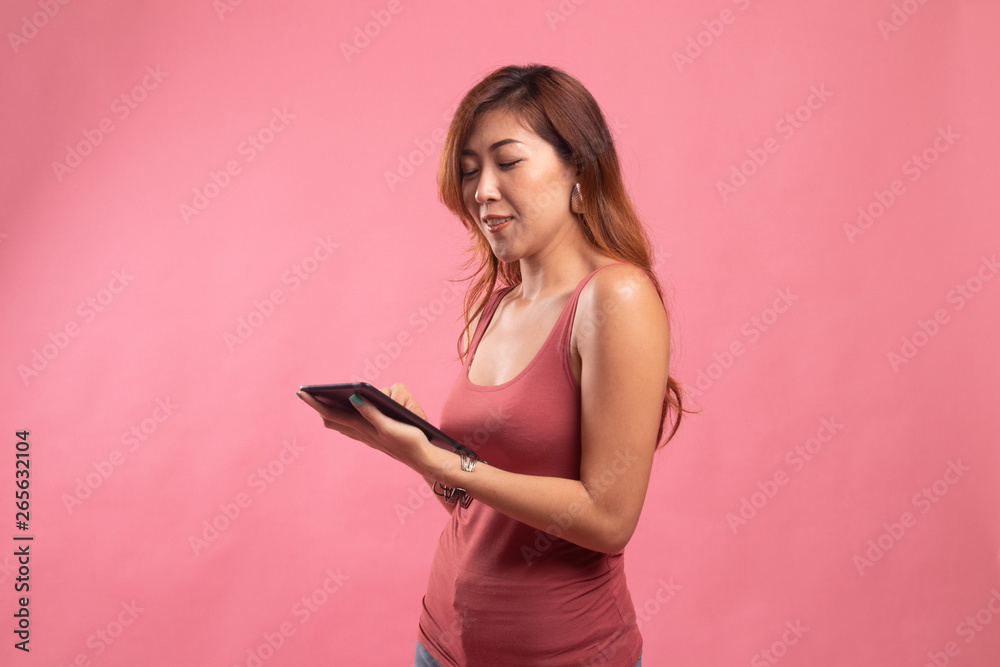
column 373, row 302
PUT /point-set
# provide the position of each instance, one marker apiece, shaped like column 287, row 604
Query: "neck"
column 557, row 269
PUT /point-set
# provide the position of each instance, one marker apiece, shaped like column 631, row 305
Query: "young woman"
column 563, row 392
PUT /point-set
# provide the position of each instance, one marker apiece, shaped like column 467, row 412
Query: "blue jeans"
column 425, row 659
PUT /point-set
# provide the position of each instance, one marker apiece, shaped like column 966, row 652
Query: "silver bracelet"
column 453, row 495
column 457, row 494
column 469, row 459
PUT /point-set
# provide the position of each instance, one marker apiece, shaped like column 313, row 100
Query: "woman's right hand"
column 403, row 442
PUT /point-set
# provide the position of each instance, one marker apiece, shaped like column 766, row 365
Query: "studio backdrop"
column 208, row 203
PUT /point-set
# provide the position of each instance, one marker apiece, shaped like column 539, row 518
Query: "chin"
column 506, row 252
column 500, row 250
column 505, row 257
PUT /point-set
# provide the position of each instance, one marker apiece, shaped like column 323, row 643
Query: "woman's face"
column 509, row 171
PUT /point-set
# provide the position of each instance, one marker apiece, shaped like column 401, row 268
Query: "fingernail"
column 300, row 396
column 356, row 399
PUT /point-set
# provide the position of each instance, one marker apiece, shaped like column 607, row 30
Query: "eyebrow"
column 493, row 147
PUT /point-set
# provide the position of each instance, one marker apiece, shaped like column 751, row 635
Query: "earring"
column 576, row 200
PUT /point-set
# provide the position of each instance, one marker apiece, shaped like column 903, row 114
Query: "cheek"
column 469, row 198
column 537, row 194
column 537, row 202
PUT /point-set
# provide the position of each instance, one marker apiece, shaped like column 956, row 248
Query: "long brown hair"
column 562, row 112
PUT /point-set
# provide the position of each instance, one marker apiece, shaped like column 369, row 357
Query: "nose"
column 486, row 189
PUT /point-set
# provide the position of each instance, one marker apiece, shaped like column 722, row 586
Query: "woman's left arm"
column 623, row 339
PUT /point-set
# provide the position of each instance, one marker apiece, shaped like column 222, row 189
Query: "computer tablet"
column 338, row 395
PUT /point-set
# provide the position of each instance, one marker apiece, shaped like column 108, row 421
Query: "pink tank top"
column 501, row 593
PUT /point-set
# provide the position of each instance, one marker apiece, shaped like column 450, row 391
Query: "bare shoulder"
column 621, row 300
column 623, row 343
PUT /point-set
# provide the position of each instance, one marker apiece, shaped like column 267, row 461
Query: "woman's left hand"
column 403, row 442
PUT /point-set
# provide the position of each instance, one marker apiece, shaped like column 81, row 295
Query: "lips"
column 494, row 223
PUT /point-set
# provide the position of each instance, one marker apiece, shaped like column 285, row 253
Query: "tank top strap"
column 564, row 325
column 560, row 336
column 484, row 319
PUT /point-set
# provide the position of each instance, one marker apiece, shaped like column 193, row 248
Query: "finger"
column 371, row 413
column 392, row 392
column 398, row 393
column 314, row 402
column 311, row 401
column 326, row 411
column 348, row 431
column 403, row 396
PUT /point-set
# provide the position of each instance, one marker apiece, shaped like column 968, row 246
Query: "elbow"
column 616, row 545
column 609, row 528
column 606, row 539
column 615, row 537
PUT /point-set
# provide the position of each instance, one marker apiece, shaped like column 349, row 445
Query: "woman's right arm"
column 449, row 507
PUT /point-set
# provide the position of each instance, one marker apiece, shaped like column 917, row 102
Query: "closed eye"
column 505, row 165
